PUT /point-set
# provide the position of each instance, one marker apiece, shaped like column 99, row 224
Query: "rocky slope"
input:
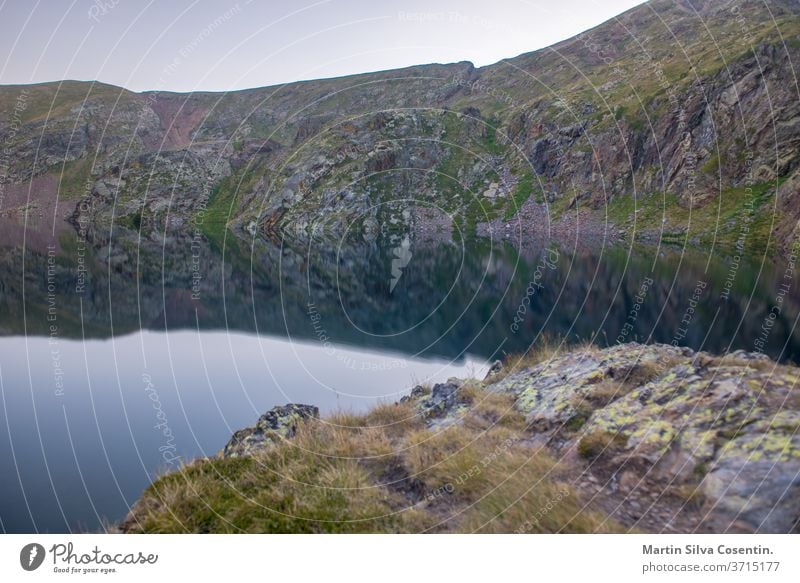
column 630, row 438
column 675, row 121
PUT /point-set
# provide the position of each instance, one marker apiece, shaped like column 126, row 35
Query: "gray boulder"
column 274, row 426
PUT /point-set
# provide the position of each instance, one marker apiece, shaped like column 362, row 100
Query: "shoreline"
column 629, row 438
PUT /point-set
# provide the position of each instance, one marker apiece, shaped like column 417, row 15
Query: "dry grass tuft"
column 599, row 443
column 384, row 471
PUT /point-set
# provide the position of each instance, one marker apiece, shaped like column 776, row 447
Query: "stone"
column 274, row 426
column 415, row 394
column 442, row 399
column 717, row 425
column 497, row 366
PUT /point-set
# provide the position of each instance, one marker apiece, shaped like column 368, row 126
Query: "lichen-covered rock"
column 275, row 425
column 415, row 394
column 727, row 427
column 554, row 393
column 445, row 405
column 442, row 399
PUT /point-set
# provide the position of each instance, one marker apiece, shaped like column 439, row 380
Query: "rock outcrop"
column 277, row 424
column 614, row 118
column 724, row 429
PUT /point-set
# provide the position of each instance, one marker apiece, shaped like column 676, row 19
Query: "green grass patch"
column 522, row 193
column 73, row 178
column 711, row 167
column 490, row 143
column 222, row 208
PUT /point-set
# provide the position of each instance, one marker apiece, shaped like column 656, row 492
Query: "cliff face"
column 648, row 438
column 675, row 120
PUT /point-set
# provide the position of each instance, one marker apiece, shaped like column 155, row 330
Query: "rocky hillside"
column 679, row 120
column 631, row 438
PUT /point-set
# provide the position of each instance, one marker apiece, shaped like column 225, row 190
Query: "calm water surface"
column 158, row 351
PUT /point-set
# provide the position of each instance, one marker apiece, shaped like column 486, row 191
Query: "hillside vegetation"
column 675, row 121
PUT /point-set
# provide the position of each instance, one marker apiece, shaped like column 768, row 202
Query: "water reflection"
column 450, row 299
column 125, row 409
column 121, row 358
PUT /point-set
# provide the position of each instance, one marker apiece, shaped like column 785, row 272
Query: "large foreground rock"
column 723, row 428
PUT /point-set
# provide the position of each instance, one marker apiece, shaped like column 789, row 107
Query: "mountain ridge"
column 594, row 130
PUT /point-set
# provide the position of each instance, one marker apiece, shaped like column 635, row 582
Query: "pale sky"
column 192, row 45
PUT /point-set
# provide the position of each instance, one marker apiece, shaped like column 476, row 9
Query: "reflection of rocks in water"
column 432, row 225
column 536, row 223
column 475, row 296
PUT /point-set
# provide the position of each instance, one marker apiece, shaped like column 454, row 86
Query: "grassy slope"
column 379, row 472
